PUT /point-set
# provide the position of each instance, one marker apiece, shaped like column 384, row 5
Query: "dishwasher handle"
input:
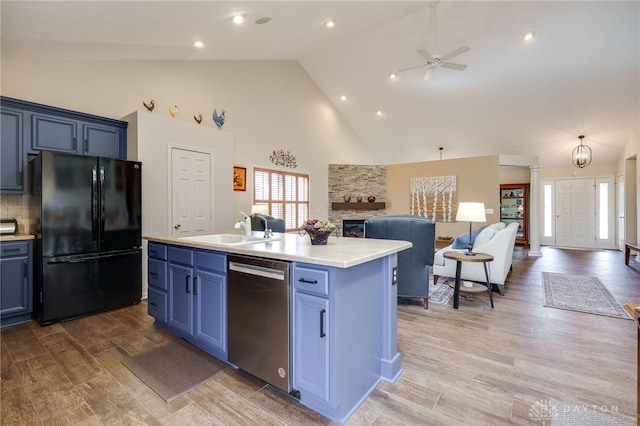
column 260, row 271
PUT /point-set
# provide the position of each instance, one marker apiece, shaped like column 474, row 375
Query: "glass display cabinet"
column 514, row 207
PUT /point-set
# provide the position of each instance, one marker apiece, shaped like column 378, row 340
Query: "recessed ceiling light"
column 529, row 35
column 263, row 20
column 238, row 19
column 379, row 113
column 393, row 76
column 343, row 98
column 330, row 23
column 198, row 43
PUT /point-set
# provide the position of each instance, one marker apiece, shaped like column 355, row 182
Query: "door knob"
column 176, row 226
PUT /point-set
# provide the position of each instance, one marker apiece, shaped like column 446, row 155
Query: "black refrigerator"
column 88, row 248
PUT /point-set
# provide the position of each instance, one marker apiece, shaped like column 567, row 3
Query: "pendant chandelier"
column 581, row 155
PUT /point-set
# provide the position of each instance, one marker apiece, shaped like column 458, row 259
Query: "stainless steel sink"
column 228, row 239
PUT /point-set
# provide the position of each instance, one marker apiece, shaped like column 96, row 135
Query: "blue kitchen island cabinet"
column 342, row 310
column 342, row 342
column 187, row 295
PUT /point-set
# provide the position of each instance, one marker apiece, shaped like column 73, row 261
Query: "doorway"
column 578, row 213
column 190, row 191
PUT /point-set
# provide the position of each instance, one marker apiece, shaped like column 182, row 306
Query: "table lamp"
column 471, row 212
column 259, row 208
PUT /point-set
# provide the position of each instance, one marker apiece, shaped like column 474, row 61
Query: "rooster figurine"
column 198, row 118
column 218, row 119
column 149, row 106
column 173, row 111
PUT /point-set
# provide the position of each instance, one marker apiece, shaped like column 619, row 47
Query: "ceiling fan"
column 436, row 60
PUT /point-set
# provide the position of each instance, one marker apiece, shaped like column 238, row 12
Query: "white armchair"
column 500, row 246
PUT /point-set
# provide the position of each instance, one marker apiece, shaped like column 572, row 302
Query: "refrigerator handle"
column 94, row 204
column 102, row 203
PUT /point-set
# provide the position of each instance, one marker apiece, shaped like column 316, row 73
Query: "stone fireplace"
column 353, row 181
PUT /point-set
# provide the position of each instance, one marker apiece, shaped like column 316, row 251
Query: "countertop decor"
column 319, row 230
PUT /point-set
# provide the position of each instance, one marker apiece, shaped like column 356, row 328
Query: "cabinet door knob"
column 176, row 226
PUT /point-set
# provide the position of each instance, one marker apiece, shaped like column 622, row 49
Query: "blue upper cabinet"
column 12, row 175
column 50, row 133
column 47, row 128
column 102, row 137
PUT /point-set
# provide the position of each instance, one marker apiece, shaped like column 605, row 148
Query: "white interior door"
column 190, row 191
column 575, row 212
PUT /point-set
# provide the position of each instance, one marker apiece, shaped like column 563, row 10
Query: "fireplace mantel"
column 358, row 206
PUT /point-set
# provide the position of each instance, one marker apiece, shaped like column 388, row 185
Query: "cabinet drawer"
column 309, row 280
column 157, row 304
column 157, row 251
column 211, row 261
column 180, row 255
column 157, row 273
column 20, row 248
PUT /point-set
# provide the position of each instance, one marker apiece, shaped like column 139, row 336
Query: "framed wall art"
column 435, row 198
column 239, row 178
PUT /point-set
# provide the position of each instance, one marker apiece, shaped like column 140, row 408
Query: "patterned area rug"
column 580, row 293
column 440, row 294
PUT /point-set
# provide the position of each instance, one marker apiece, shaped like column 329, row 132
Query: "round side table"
column 459, row 257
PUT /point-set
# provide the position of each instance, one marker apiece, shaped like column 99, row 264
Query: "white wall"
column 150, row 138
column 269, row 105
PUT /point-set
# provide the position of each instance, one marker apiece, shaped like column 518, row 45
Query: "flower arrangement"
column 318, row 230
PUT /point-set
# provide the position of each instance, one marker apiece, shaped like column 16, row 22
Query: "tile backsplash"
column 16, row 206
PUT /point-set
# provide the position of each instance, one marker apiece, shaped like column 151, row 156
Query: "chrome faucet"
column 268, row 233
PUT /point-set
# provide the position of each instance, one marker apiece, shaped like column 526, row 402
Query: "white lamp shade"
column 471, row 212
column 260, row 208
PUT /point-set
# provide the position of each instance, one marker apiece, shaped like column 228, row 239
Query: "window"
column 286, row 194
column 547, row 216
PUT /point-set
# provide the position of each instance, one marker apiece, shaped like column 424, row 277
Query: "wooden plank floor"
column 475, row 365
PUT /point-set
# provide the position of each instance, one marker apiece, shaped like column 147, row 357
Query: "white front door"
column 575, row 212
column 190, row 191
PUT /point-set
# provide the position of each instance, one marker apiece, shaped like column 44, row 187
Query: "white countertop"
column 339, row 252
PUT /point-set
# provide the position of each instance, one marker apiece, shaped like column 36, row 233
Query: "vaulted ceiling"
column 579, row 75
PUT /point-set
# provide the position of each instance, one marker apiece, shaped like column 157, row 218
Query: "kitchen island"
column 342, row 331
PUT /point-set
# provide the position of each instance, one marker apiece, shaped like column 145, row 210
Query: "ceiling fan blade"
column 456, row 52
column 412, row 68
column 425, row 54
column 427, row 75
column 453, row 66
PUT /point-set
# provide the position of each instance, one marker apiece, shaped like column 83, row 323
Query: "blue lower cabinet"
column 157, row 304
column 188, row 295
column 16, row 289
column 312, row 332
column 210, row 295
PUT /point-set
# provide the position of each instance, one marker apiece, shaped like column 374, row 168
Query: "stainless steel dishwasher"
column 258, row 322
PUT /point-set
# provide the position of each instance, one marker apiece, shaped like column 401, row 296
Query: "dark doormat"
column 174, row 369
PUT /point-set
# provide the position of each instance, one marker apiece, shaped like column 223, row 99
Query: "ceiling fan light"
column 238, row 19
column 581, row 155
